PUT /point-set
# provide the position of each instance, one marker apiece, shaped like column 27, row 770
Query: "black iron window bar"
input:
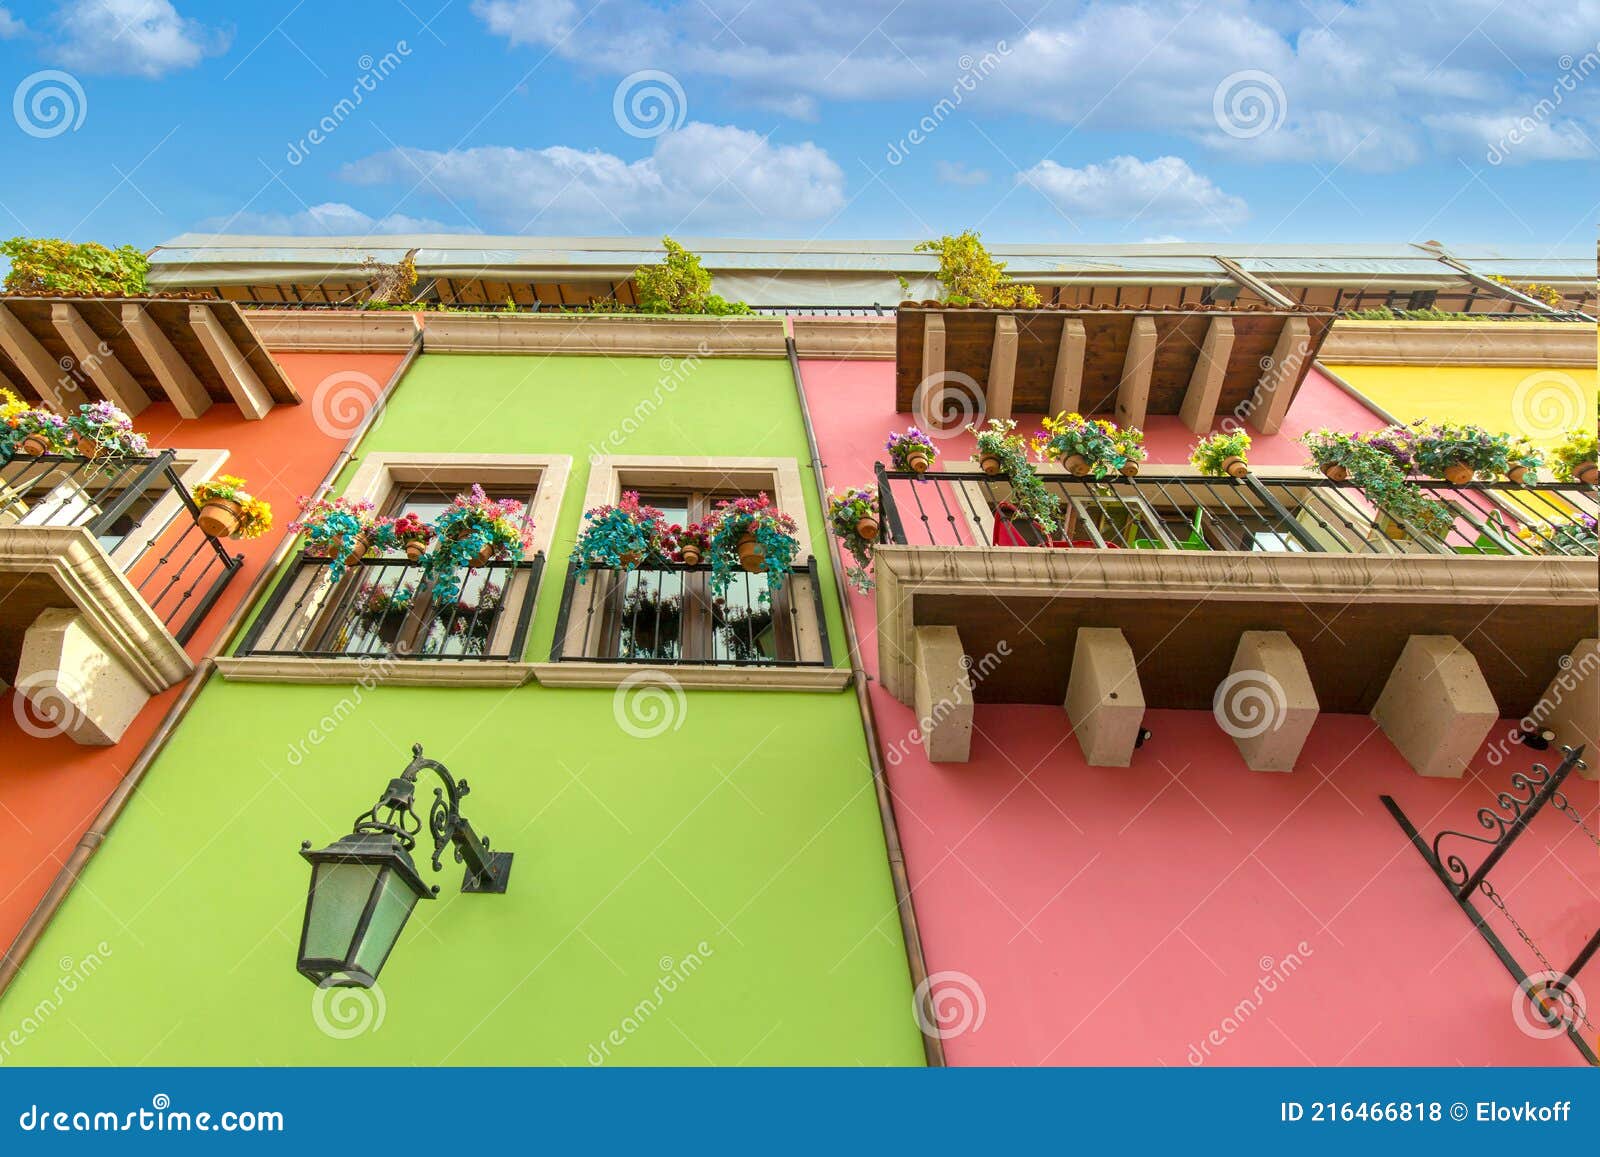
column 1198, row 512
column 178, row 569
column 1553, row 997
column 386, row 608
column 665, row 615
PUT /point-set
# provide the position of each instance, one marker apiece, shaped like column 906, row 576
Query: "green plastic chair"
column 1195, row 541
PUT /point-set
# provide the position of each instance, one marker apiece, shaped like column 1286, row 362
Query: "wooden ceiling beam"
column 1003, row 366
column 97, row 361
column 1066, row 380
column 1133, row 394
column 1199, row 408
column 1291, row 357
column 243, row 384
column 183, row 389
column 930, row 391
column 34, row 362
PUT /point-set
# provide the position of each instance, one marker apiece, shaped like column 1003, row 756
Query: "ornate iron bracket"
column 1505, row 822
column 395, row 815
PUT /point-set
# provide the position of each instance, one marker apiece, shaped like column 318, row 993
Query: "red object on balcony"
column 1005, row 534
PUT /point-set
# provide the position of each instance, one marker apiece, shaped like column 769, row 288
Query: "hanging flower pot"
column 1235, row 466
column 691, row 555
column 1336, row 472
column 415, row 549
column 630, row 559
column 34, row 446
column 486, row 555
column 1587, row 473
column 1458, row 473
column 990, row 463
column 219, row 517
column 360, row 545
column 1130, row 469
column 752, row 555
column 917, row 462
column 867, row 528
column 1076, row 464
column 89, row 447
column 1517, row 473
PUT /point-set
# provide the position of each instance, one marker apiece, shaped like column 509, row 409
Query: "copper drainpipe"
column 90, row 843
column 932, row 1044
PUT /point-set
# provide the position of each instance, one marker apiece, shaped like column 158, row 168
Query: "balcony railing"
column 143, row 517
column 1254, row 513
column 386, row 607
column 666, row 615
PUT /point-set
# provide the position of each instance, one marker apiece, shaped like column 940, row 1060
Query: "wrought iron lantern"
column 364, row 885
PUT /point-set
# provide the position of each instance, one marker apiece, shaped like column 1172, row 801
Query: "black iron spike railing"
column 177, row 568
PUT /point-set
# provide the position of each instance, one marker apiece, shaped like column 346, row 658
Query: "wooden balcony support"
column 1066, row 380
column 97, row 361
column 1436, row 707
column 943, row 695
column 1133, row 394
column 1205, row 384
column 1002, row 366
column 178, row 381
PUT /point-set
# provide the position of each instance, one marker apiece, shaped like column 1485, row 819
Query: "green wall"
column 715, row 893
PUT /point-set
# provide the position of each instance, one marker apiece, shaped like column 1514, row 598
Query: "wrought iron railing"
column 1253, row 513
column 143, row 517
column 667, row 615
column 388, row 607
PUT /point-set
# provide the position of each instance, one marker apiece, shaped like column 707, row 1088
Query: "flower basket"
column 755, row 535
column 990, row 464
column 1336, row 472
column 1235, row 467
column 473, row 531
column 912, row 451
column 752, row 555
column 228, row 510
column 1458, row 451
column 1222, row 455
column 103, row 430
column 998, row 440
column 854, row 519
column 36, row 432
column 342, row 530
column 621, row 536
column 1575, row 459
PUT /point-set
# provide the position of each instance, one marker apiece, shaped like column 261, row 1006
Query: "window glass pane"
column 746, row 627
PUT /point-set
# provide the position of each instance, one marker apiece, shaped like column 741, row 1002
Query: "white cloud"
column 1519, row 137
column 10, row 26
column 957, row 173
column 1364, row 82
column 332, row 218
column 708, row 176
column 1126, row 188
column 132, row 37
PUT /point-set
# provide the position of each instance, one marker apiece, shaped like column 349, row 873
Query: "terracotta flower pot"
column 752, row 555
column 486, row 555
column 415, row 549
column 359, row 546
column 1076, row 464
column 33, row 445
column 691, row 555
column 1458, row 473
column 1130, row 469
column 1517, row 473
column 219, row 517
column 630, row 559
column 867, row 527
column 1235, row 466
column 917, row 462
column 89, row 448
column 990, row 463
column 1587, row 473
column 1336, row 472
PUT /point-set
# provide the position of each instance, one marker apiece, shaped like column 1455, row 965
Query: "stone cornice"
column 845, row 338
column 1460, row 343
column 691, row 677
column 619, row 335
column 903, row 572
column 374, row 671
column 342, row 331
column 121, row 618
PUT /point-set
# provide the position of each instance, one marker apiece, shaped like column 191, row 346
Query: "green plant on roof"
column 50, row 265
column 679, row 284
column 969, row 274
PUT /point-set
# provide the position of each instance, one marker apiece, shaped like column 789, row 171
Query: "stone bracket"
column 943, row 695
column 1267, row 704
column 1436, row 707
column 1104, row 699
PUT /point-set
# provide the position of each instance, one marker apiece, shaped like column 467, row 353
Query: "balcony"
column 667, row 617
column 1156, row 590
column 104, row 575
column 385, row 609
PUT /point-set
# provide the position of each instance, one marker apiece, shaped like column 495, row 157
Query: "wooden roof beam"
column 1199, row 408
column 242, row 382
column 1003, row 366
column 42, row 372
column 1133, row 394
column 1066, row 380
column 1290, row 360
column 183, row 389
column 97, row 361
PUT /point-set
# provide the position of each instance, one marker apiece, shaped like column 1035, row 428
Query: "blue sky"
column 137, row 120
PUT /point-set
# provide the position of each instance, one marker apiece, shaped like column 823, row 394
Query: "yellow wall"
column 1540, row 404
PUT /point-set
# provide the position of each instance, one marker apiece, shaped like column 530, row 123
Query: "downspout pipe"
column 45, row 911
column 932, row 1044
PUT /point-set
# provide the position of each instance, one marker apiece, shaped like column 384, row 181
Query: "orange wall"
column 51, row 789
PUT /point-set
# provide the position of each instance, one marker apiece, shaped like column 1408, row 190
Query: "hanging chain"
column 1567, row 994
column 1561, row 804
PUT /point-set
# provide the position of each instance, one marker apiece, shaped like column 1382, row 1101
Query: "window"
column 383, row 605
column 668, row 614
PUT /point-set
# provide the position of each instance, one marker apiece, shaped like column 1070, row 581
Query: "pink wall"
column 1123, row 915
